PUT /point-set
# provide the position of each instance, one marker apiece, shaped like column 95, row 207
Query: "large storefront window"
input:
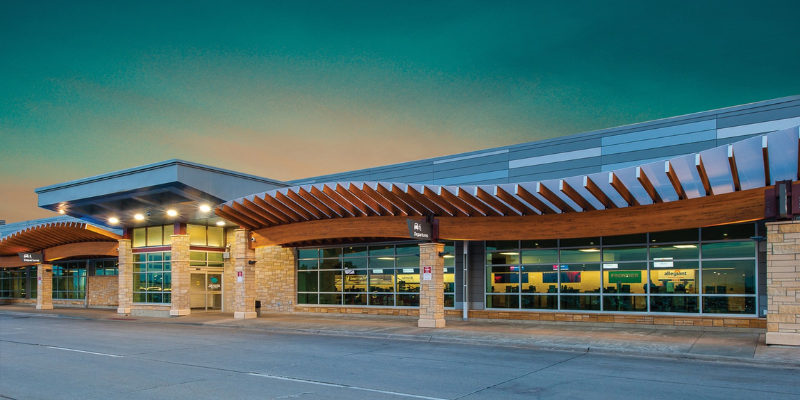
column 18, row 283
column 69, row 281
column 380, row 275
column 709, row 270
column 152, row 278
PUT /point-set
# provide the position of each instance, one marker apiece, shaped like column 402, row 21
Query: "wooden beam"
column 240, row 219
column 673, row 178
column 529, row 198
column 298, row 204
column 358, row 205
column 553, row 198
column 476, row 203
column 392, row 204
column 648, row 187
column 719, row 209
column 221, row 212
column 331, row 202
column 267, row 211
column 436, row 198
column 319, row 205
column 737, row 185
column 400, row 202
column 512, row 201
column 765, row 155
column 701, row 170
column 292, row 206
column 248, row 211
column 84, row 249
column 573, row 194
column 492, row 201
column 598, row 193
column 459, row 204
column 412, row 194
column 333, row 229
column 372, row 203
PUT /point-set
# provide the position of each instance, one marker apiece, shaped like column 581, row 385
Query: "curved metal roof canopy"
column 49, row 235
column 748, row 164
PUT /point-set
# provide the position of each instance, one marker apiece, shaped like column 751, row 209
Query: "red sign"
column 426, row 270
column 238, row 274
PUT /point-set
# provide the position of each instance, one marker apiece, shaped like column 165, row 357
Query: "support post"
column 180, row 276
column 465, row 261
column 783, row 283
column 431, row 291
column 44, row 281
column 125, row 278
column 244, row 286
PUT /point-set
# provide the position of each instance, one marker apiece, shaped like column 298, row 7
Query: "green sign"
column 624, row 276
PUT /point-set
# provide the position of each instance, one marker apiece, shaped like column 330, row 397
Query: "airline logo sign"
column 419, row 230
column 31, row 257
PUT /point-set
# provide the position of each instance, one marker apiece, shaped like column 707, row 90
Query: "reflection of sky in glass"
column 687, row 173
column 655, row 172
column 719, row 172
column 783, row 154
column 749, row 162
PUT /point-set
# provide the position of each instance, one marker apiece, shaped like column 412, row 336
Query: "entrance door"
column 205, row 292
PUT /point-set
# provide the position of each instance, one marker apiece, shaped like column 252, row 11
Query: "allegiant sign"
column 31, row 257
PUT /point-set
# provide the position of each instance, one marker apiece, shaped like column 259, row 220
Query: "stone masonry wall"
column 783, row 283
column 275, row 278
column 180, row 275
column 431, row 292
column 125, row 278
column 44, row 280
column 228, row 273
column 102, row 291
column 244, row 292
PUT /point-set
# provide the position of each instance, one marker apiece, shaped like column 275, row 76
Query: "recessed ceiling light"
column 172, row 213
column 138, row 217
column 61, row 211
column 205, row 208
column 221, row 223
column 113, row 220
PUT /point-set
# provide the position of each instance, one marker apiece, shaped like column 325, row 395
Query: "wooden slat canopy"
column 306, row 213
column 41, row 237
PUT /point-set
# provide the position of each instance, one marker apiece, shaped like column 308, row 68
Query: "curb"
column 514, row 343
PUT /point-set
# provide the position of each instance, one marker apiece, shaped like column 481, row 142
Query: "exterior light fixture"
column 138, row 217
column 113, row 220
column 220, row 223
column 172, row 213
column 205, row 208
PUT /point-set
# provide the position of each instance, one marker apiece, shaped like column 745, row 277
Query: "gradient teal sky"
column 295, row 89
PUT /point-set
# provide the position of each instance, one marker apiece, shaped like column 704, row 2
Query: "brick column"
column 431, row 291
column 180, row 276
column 244, row 287
column 44, row 282
column 275, row 278
column 125, row 278
column 783, row 283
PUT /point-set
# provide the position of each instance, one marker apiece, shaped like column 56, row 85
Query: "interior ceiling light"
column 589, row 250
column 113, row 220
column 205, row 208
column 449, row 256
column 220, row 223
column 138, row 217
column 172, row 213
column 685, row 246
column 510, row 254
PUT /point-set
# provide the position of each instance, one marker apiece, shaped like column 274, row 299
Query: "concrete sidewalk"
column 719, row 346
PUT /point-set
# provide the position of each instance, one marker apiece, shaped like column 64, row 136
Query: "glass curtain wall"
column 69, row 280
column 381, row 275
column 152, row 278
column 18, row 283
column 710, row 271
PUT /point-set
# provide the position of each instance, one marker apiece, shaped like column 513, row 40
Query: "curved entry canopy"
column 57, row 240
column 720, row 185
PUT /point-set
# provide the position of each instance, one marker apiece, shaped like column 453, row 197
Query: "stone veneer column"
column 229, row 272
column 431, row 292
column 44, row 282
column 783, row 283
column 125, row 278
column 180, row 276
column 244, row 292
column 275, row 278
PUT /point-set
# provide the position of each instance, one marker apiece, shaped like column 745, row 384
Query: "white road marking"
column 283, row 378
column 83, row 351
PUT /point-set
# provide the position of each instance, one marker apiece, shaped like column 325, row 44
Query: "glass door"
column 205, row 292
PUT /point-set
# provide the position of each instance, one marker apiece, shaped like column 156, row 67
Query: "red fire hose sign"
column 426, row 273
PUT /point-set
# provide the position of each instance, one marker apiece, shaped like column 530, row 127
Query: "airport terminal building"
column 686, row 221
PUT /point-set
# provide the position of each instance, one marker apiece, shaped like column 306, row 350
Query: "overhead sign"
column 419, row 230
column 31, row 257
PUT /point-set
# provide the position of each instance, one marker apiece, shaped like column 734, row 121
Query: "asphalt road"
column 59, row 358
